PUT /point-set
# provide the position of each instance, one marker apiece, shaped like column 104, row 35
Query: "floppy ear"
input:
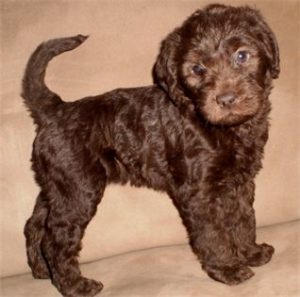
column 165, row 72
column 273, row 54
column 166, row 68
column 269, row 41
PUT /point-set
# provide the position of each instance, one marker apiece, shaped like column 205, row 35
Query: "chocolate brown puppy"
column 198, row 134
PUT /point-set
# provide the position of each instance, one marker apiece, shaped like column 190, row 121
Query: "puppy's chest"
column 218, row 156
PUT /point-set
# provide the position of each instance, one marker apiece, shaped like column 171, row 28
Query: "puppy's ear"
column 273, row 54
column 270, row 45
column 165, row 70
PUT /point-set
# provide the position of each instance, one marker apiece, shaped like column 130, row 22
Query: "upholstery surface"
column 124, row 41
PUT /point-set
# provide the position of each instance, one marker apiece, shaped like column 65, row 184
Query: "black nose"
column 226, row 98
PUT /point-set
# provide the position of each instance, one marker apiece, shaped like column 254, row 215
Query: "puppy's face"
column 223, row 63
column 224, row 76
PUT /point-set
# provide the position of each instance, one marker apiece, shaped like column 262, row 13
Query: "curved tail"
column 37, row 97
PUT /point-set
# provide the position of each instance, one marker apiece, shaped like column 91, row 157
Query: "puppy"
column 198, row 134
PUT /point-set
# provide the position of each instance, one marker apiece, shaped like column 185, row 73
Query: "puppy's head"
column 220, row 63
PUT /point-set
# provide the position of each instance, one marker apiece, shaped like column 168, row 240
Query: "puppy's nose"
column 226, row 98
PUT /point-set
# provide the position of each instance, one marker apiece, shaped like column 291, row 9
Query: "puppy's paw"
column 261, row 256
column 84, row 288
column 230, row 275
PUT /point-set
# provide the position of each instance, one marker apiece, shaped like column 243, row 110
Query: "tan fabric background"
column 124, row 41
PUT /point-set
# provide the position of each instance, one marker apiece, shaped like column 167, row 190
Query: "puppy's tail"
column 37, row 97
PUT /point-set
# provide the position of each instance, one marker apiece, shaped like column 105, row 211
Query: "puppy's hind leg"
column 77, row 188
column 34, row 232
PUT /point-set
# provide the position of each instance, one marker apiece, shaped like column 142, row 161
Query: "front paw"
column 230, row 275
column 261, row 255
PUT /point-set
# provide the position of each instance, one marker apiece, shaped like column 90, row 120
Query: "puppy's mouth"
column 227, row 111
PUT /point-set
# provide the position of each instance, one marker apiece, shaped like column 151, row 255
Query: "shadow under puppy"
column 197, row 134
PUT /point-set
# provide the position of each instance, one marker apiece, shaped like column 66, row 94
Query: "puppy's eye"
column 242, row 57
column 198, row 69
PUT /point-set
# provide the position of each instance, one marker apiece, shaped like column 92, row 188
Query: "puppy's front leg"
column 245, row 231
column 210, row 221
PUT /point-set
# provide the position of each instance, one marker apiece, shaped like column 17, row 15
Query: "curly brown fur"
column 197, row 134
